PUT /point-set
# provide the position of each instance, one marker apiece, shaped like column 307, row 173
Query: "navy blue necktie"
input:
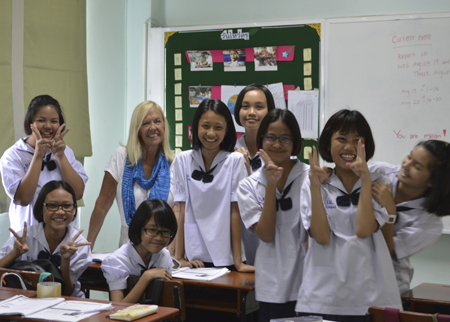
column 255, row 163
column 285, row 203
column 55, row 259
column 346, row 199
column 50, row 164
column 206, row 177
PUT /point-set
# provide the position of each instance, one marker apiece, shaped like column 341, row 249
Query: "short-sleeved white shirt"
column 126, row 261
column 207, row 223
column 14, row 165
column 414, row 229
column 278, row 264
column 115, row 167
column 37, row 242
column 349, row 274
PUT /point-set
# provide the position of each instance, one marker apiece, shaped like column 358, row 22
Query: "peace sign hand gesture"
column 273, row 172
column 20, row 244
column 317, row 174
column 42, row 145
column 359, row 166
column 67, row 250
column 58, row 145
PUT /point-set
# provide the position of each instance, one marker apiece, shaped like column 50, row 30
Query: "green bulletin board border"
column 289, row 72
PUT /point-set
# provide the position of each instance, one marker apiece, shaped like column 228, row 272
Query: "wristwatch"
column 391, row 219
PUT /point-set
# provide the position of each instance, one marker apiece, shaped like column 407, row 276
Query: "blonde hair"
column 135, row 150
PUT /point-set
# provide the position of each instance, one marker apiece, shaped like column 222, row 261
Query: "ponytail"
column 438, row 201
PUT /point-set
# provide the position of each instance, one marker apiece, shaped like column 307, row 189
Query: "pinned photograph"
column 234, row 60
column 198, row 94
column 200, row 60
column 265, row 58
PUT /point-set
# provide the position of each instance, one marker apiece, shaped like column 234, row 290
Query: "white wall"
column 106, row 60
column 202, row 12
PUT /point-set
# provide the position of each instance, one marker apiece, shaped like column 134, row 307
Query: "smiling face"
column 279, row 153
column 344, row 147
column 58, row 220
column 415, row 171
column 46, row 122
column 234, row 55
column 151, row 132
column 253, row 109
column 212, row 128
column 153, row 244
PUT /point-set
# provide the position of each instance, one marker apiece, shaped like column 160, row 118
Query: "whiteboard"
column 396, row 71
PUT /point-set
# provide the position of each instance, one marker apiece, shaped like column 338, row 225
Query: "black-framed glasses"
column 54, row 206
column 284, row 139
column 155, row 232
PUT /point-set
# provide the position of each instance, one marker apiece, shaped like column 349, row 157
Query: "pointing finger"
column 76, row 236
column 64, row 133
column 36, row 132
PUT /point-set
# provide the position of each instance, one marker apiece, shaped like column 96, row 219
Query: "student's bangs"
column 163, row 216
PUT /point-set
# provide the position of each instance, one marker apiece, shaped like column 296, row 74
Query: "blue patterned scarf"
column 159, row 182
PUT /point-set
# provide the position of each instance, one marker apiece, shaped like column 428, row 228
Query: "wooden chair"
column 379, row 314
column 31, row 278
column 172, row 295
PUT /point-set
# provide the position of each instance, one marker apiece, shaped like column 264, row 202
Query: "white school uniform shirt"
column 115, row 167
column 126, row 261
column 207, row 226
column 278, row 264
column 14, row 165
column 349, row 274
column 414, row 230
column 37, row 242
column 249, row 237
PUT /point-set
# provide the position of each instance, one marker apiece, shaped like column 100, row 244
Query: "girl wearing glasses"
column 53, row 237
column 420, row 195
column 252, row 104
column 269, row 202
column 40, row 157
column 206, row 179
column 152, row 228
column 347, row 267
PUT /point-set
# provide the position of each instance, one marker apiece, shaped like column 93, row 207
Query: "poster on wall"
column 198, row 94
column 234, row 60
column 265, row 58
column 229, row 96
column 200, row 60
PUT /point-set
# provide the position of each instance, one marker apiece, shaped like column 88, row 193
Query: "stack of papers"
column 200, row 274
column 51, row 309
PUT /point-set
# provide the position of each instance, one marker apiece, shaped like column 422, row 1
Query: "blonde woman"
column 136, row 172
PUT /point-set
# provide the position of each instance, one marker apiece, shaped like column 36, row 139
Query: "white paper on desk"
column 22, row 305
column 200, row 274
column 229, row 96
column 305, row 106
column 71, row 311
column 278, row 95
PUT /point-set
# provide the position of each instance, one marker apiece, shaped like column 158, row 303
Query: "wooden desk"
column 163, row 312
column 429, row 298
column 6, row 293
column 233, row 292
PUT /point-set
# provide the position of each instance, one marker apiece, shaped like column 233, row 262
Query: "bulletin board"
column 289, row 72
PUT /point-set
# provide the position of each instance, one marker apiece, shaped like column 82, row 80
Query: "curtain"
column 54, row 63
